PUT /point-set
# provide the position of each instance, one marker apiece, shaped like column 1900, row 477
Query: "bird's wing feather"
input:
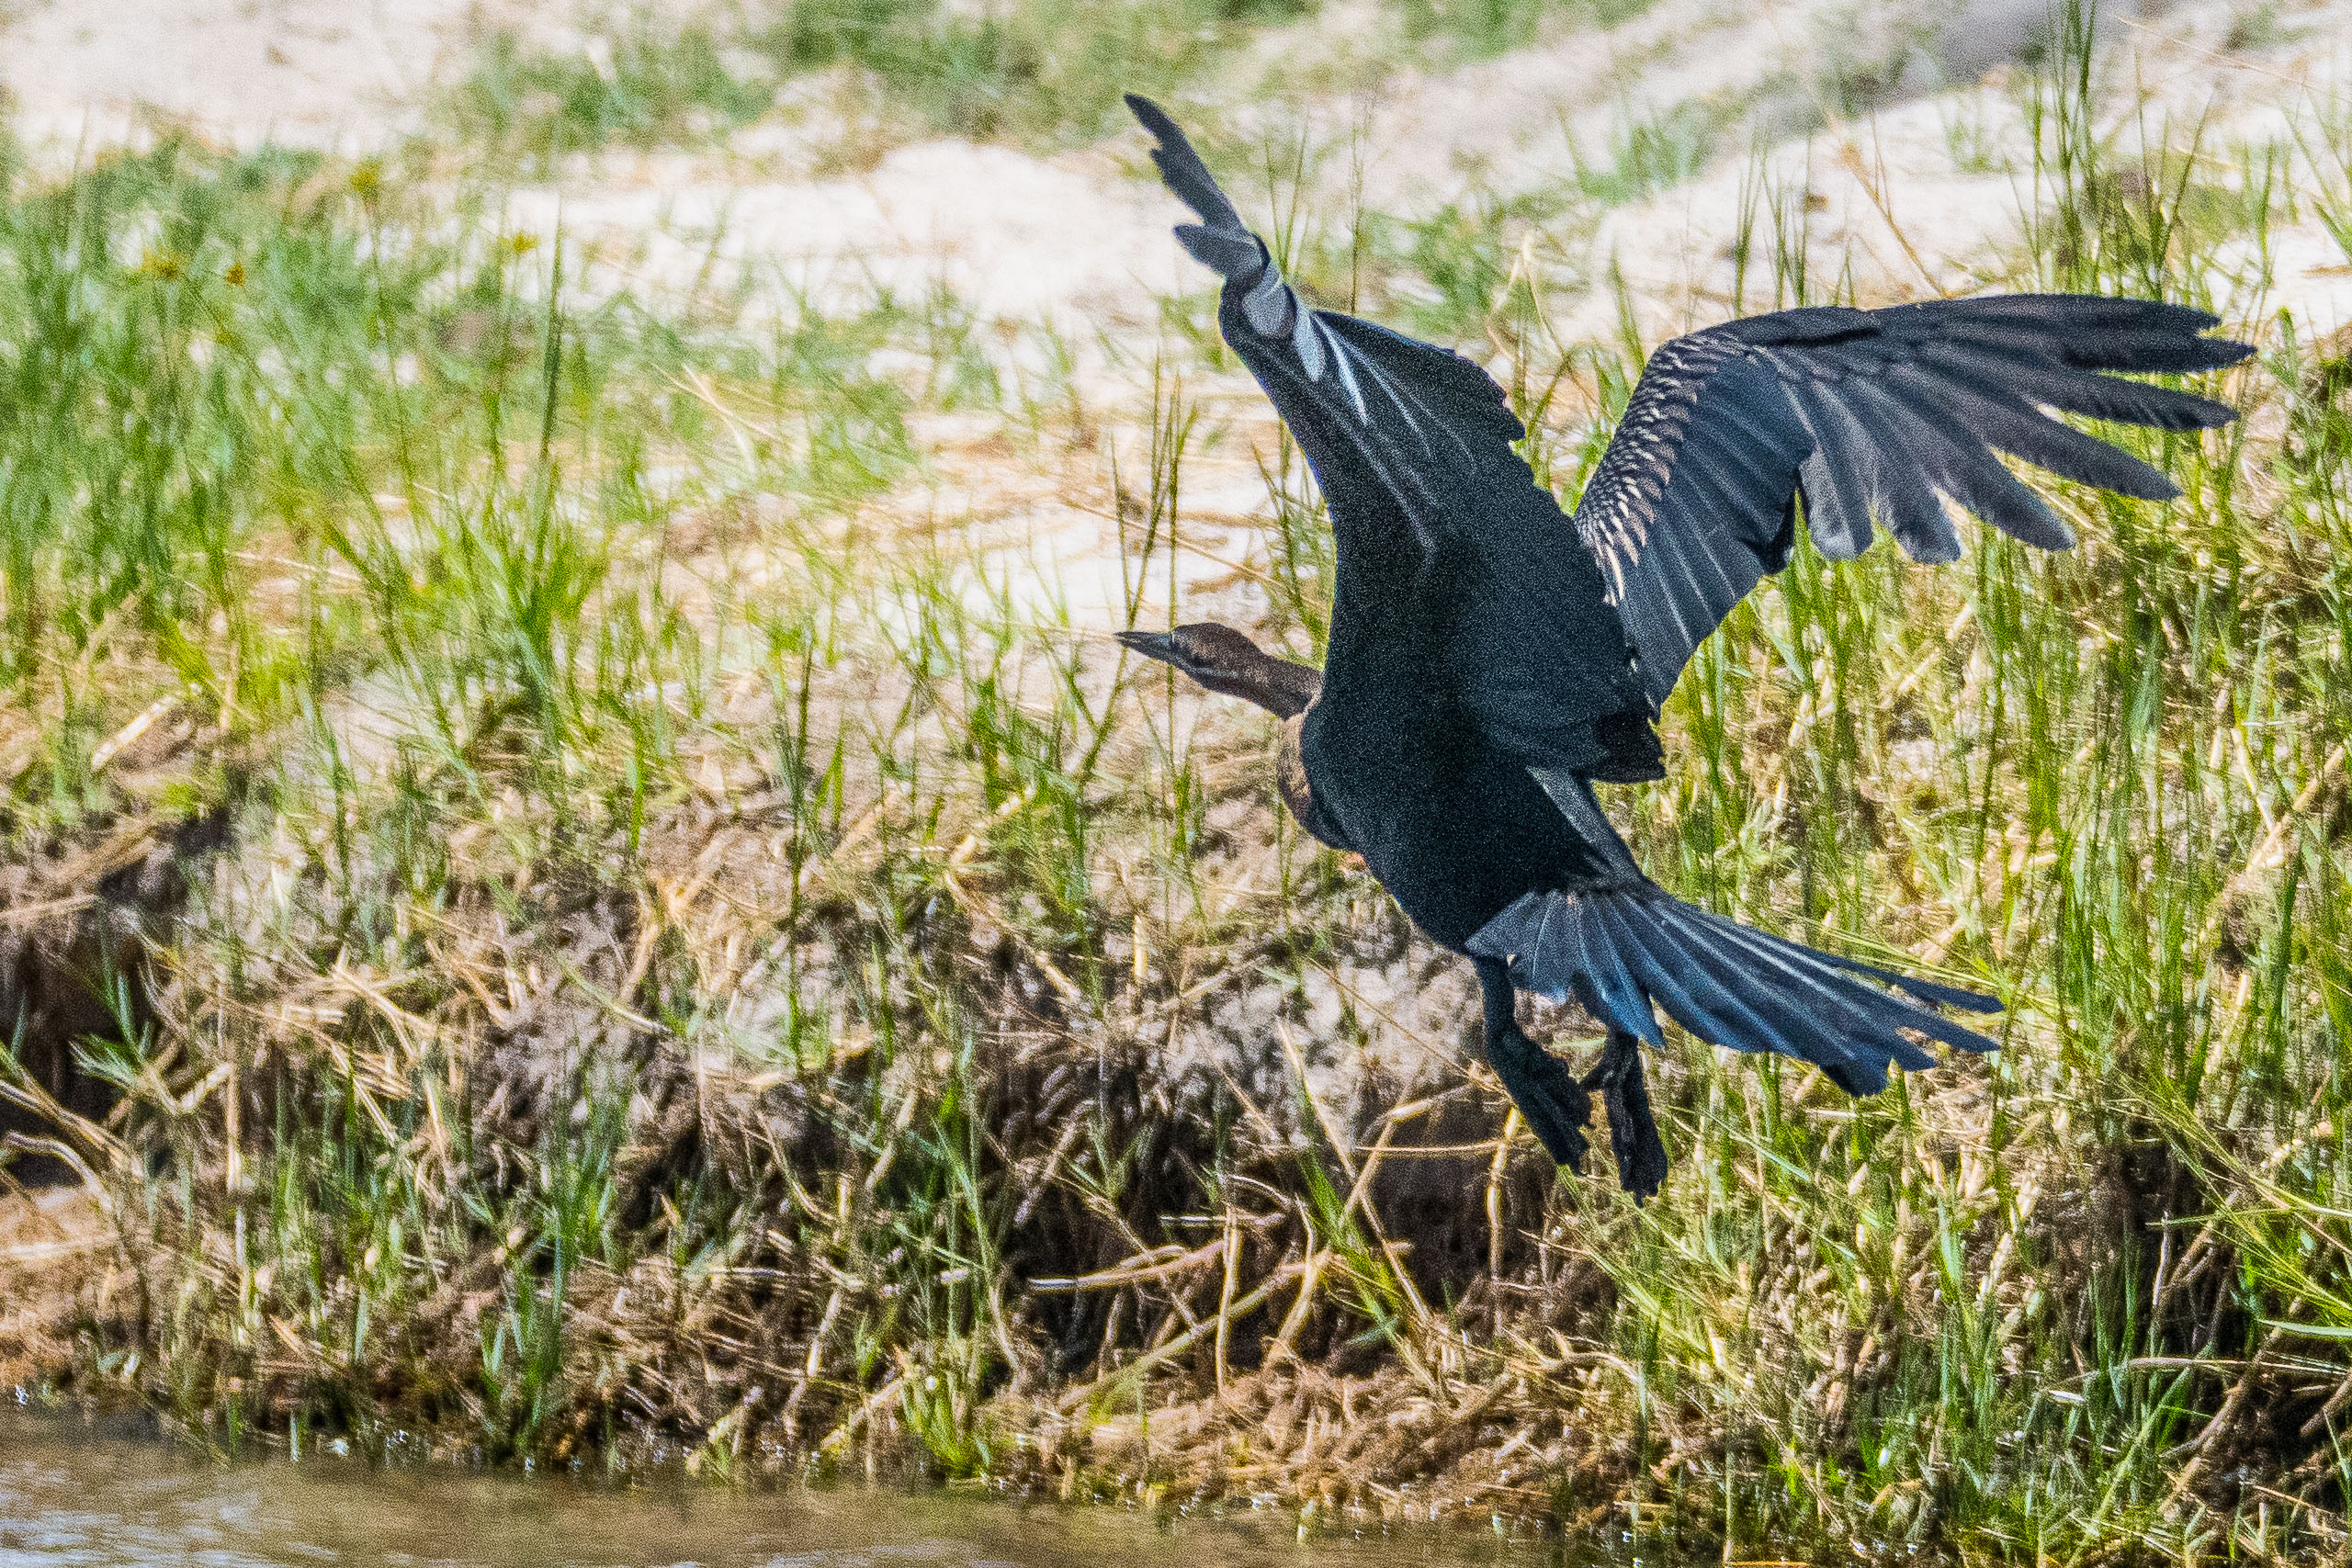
column 1413, row 447
column 1870, row 418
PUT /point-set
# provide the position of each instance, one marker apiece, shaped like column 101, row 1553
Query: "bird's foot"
column 1633, row 1129
column 1557, row 1107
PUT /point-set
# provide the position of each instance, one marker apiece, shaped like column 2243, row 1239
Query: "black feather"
column 2017, row 428
column 1965, row 469
column 1182, row 170
column 1907, row 497
column 1835, row 477
column 1872, row 416
column 2075, row 391
column 1619, row 950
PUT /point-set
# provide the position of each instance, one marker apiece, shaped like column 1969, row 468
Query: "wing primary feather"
column 1967, row 471
column 2141, row 352
column 1228, row 255
column 2075, row 391
column 1991, row 492
column 1847, row 488
column 2054, row 314
column 2025, row 432
column 1885, row 417
column 1912, row 512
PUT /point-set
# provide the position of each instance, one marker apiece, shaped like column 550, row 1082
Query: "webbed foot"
column 1633, row 1129
column 1556, row 1106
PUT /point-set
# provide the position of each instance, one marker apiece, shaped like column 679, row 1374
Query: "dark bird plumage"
column 1490, row 658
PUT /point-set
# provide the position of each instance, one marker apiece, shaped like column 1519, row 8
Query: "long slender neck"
column 1283, row 688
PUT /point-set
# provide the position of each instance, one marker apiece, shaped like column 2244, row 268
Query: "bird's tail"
column 1620, row 950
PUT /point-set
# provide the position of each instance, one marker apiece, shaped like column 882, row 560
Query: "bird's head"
column 1225, row 661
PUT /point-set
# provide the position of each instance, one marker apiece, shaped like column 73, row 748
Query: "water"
column 69, row 1498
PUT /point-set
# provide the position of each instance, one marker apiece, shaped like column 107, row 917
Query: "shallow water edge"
column 76, row 1493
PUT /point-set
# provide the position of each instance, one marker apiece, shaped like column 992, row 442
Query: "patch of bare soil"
column 1915, row 200
column 312, row 73
column 55, row 1242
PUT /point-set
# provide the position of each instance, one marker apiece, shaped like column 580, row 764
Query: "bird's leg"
column 1632, row 1130
column 1556, row 1106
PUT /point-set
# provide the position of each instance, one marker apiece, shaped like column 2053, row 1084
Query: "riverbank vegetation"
column 573, row 921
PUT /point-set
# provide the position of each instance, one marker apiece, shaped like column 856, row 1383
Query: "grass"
column 1481, row 29
column 1046, row 73
column 1042, row 72
column 1651, row 154
column 606, row 932
column 646, row 87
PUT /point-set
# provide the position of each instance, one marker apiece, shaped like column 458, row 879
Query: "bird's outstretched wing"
column 1868, row 416
column 1411, row 446
column 1409, row 397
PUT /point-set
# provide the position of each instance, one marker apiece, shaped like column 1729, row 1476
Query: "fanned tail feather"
column 1620, row 952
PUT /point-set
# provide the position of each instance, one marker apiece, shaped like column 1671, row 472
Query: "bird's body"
column 1489, row 659
column 1452, row 823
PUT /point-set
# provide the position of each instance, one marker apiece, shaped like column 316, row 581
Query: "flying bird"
column 1491, row 657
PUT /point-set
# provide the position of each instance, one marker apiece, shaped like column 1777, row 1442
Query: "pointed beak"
column 1152, row 645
